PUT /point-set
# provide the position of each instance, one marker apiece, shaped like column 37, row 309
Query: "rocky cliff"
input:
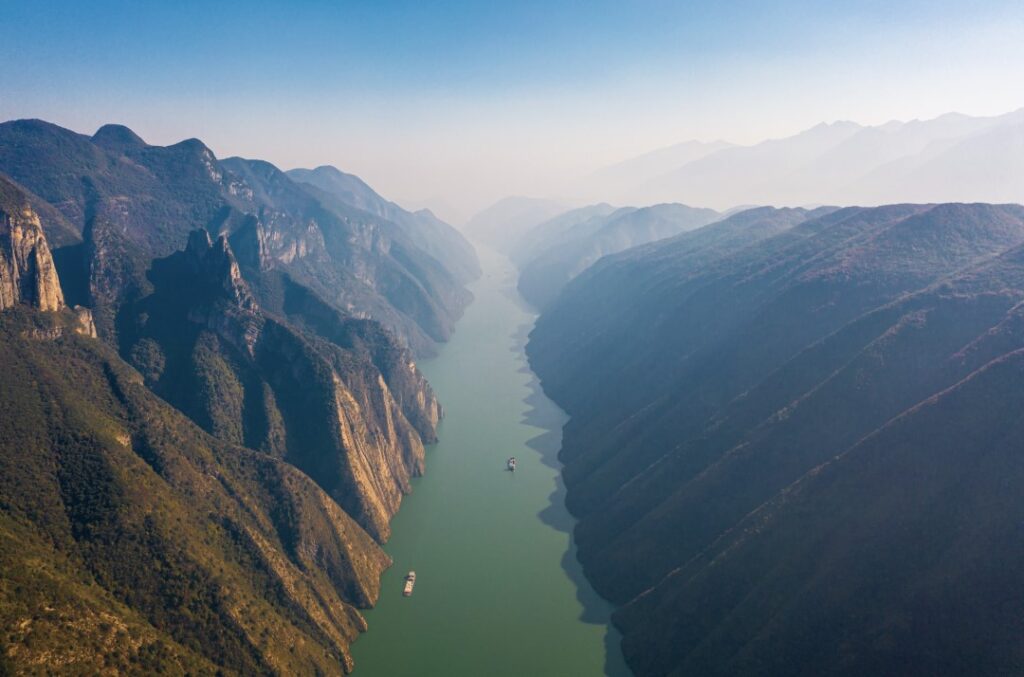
column 425, row 230
column 307, row 395
column 204, row 489
column 132, row 541
column 118, row 202
column 27, row 272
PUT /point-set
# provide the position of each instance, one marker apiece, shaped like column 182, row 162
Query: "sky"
column 456, row 104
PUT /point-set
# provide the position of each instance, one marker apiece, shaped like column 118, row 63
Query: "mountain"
column 423, row 229
column 198, row 481
column 27, row 272
column 983, row 165
column 556, row 231
column 951, row 157
column 792, row 443
column 135, row 541
column 362, row 264
column 616, row 181
column 743, row 174
column 561, row 251
column 501, row 224
column 320, row 401
column 118, row 193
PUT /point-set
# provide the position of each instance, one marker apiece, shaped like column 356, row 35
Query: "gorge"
column 498, row 589
column 779, row 440
column 472, row 339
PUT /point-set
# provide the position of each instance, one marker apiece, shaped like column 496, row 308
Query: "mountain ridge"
column 865, row 320
column 205, row 486
column 868, row 165
column 145, row 199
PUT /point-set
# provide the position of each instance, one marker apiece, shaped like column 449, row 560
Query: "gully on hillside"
column 793, row 440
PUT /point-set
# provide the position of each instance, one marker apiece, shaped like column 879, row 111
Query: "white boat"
column 511, row 464
column 410, row 580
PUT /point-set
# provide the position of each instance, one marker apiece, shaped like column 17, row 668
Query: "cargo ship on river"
column 410, row 581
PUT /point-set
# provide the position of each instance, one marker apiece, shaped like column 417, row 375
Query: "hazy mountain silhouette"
column 501, row 224
column 949, row 158
column 793, row 442
column 561, row 253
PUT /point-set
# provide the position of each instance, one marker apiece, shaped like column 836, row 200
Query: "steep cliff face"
column 131, row 202
column 132, row 540
column 361, row 263
column 203, row 342
column 785, row 430
column 425, row 230
column 230, row 525
column 27, row 272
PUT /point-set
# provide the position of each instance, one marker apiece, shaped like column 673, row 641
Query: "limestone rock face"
column 300, row 382
column 84, row 323
column 233, row 313
column 27, row 272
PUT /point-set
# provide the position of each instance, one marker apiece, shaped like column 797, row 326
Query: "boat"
column 511, row 464
column 410, row 580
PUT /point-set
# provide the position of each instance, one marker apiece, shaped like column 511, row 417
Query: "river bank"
column 499, row 590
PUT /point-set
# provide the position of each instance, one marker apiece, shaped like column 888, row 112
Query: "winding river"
column 498, row 590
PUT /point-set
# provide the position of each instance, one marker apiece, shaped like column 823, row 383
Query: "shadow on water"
column 544, row 414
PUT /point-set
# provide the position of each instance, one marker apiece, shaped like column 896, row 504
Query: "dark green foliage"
column 132, row 539
column 792, row 439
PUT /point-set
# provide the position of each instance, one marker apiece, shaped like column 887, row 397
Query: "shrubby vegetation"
column 794, row 440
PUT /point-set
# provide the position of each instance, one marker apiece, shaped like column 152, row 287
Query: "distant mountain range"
column 794, row 443
column 552, row 253
column 501, row 224
column 950, row 158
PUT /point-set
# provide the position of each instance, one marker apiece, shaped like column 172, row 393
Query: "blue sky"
column 471, row 100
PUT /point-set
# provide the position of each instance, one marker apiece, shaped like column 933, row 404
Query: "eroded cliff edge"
column 201, row 485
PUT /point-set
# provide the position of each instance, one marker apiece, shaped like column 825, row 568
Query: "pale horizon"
column 465, row 105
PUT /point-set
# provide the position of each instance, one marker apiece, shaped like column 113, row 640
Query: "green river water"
column 498, row 589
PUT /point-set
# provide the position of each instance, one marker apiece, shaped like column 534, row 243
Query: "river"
column 498, row 589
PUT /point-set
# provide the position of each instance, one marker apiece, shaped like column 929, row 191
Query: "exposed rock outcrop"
column 27, row 272
column 133, row 542
column 229, row 520
column 317, row 394
column 132, row 202
column 84, row 323
column 235, row 317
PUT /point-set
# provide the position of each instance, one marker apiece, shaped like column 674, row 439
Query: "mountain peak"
column 329, row 169
column 195, row 146
column 117, row 137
